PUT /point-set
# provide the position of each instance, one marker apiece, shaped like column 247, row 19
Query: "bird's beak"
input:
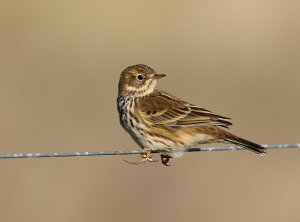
column 158, row 76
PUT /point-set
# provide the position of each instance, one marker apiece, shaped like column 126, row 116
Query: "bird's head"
column 138, row 80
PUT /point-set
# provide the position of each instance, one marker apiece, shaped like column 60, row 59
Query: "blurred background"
column 59, row 69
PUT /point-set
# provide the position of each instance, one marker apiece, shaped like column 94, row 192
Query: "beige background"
column 59, row 68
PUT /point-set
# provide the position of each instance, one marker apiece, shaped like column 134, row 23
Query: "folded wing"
column 163, row 108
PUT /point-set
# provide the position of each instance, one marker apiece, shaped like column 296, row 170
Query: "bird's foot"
column 147, row 157
column 165, row 159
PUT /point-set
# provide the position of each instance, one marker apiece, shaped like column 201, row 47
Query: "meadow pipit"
column 159, row 121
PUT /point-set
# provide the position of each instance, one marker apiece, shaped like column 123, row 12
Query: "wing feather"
column 163, row 108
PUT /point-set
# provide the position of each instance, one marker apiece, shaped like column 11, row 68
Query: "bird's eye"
column 140, row 77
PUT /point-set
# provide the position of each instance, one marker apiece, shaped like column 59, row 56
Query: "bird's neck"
column 130, row 92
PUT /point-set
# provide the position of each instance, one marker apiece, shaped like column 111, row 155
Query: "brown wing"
column 162, row 108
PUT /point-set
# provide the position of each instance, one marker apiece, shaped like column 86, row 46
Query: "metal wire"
column 131, row 152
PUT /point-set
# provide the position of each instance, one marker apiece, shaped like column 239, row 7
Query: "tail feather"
column 256, row 148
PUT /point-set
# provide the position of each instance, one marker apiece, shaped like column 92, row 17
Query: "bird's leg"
column 147, row 157
column 165, row 159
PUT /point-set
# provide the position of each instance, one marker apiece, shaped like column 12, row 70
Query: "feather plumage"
column 157, row 120
column 162, row 108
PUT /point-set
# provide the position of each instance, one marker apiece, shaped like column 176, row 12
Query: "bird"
column 160, row 122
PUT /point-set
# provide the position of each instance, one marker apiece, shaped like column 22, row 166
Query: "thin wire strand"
column 132, row 152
